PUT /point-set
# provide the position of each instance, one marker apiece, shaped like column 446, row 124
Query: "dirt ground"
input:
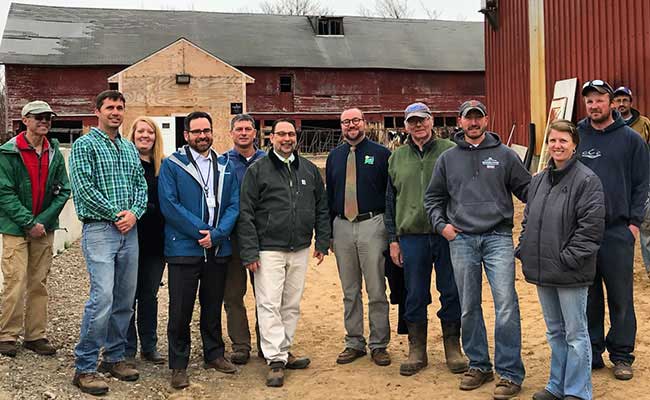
column 320, row 336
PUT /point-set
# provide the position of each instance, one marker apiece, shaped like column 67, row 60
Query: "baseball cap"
column 598, row 85
column 36, row 107
column 417, row 110
column 622, row 90
column 470, row 105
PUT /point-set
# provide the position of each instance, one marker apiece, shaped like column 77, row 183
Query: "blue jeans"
column 469, row 252
column 112, row 263
column 420, row 253
column 565, row 313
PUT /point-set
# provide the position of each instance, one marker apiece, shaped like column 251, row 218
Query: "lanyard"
column 206, row 182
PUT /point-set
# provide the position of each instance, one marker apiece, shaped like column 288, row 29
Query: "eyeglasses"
column 416, row 120
column 42, row 117
column 284, row 134
column 206, row 131
column 355, row 121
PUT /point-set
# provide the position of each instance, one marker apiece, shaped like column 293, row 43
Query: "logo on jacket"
column 591, row 153
column 490, row 163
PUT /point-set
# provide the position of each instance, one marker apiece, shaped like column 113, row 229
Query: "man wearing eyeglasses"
column 357, row 173
column 199, row 198
column 283, row 203
column 415, row 247
column 623, row 103
column 34, row 187
column 619, row 156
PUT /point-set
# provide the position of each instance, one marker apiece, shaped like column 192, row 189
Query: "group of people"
column 214, row 219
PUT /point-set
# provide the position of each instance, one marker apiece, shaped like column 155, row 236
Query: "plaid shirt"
column 106, row 177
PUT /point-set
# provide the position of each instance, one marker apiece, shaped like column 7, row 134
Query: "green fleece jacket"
column 16, row 191
column 410, row 172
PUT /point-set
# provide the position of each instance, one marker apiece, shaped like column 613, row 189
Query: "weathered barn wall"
column 507, row 71
column 331, row 90
column 150, row 87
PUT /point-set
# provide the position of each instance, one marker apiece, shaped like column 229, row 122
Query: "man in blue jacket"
column 617, row 154
column 199, row 198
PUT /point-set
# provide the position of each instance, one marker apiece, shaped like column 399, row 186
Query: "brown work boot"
column 275, row 377
column 380, row 357
column 545, row 395
column 40, row 346
column 153, row 357
column 120, row 370
column 456, row 362
column 91, row 383
column 506, row 389
column 180, row 379
column 349, row 354
column 623, row 370
column 417, row 359
column 221, row 365
column 240, row 356
column 294, row 362
column 474, row 378
column 8, row 348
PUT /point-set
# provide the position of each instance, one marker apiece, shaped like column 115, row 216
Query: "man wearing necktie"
column 357, row 172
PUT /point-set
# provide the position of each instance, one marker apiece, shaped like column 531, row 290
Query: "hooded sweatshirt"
column 472, row 186
column 619, row 156
column 640, row 124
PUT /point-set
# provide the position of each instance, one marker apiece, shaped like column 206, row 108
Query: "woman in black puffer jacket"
column 563, row 226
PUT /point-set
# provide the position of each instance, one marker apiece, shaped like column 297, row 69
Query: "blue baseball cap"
column 623, row 90
column 417, row 110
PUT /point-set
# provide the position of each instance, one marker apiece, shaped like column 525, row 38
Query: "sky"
column 466, row 10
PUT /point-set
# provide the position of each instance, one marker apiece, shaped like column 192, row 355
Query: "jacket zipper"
column 293, row 207
column 539, row 237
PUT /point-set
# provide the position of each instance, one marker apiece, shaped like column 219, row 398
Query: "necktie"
column 351, row 206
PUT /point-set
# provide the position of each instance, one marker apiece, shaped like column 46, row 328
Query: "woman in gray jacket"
column 563, row 225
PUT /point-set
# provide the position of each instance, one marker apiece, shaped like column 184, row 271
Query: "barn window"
column 438, row 121
column 450, row 121
column 330, row 26
column 113, row 86
column 286, row 84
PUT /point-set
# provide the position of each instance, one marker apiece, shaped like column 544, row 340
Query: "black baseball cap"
column 598, row 85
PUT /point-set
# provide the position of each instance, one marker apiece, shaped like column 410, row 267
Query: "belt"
column 90, row 221
column 362, row 217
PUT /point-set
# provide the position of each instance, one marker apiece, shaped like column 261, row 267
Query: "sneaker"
column 179, row 379
column 153, row 357
column 380, row 357
column 506, row 389
column 294, row 362
column 221, row 365
column 349, row 354
column 545, row 395
column 240, row 357
column 8, row 349
column 474, row 378
column 623, row 370
column 40, row 346
column 91, row 383
column 275, row 377
column 120, row 370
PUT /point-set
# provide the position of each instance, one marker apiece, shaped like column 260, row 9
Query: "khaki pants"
column 26, row 263
column 279, row 283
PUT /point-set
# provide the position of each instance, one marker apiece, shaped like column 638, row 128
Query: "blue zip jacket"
column 241, row 164
column 184, row 206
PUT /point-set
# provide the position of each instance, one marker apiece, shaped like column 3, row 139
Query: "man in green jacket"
column 415, row 247
column 34, row 187
column 282, row 202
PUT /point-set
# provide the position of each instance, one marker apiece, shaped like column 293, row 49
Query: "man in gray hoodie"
column 469, row 202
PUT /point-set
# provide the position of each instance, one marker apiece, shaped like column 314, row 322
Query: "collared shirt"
column 285, row 160
column 107, row 177
column 372, row 176
column 206, row 173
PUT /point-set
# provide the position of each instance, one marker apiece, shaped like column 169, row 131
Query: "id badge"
column 212, row 203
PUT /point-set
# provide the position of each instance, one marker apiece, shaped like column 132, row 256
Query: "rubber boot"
column 417, row 359
column 456, row 362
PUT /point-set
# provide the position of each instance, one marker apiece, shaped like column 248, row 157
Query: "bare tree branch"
column 398, row 9
column 294, row 7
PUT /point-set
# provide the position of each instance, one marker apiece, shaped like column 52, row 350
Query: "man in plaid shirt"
column 110, row 194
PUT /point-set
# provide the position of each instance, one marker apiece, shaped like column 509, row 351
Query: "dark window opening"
column 286, row 84
column 438, row 121
column 66, row 131
column 399, row 122
column 330, row 26
column 450, row 121
column 389, row 122
column 113, row 86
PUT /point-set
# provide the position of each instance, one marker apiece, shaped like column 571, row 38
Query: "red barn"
column 304, row 68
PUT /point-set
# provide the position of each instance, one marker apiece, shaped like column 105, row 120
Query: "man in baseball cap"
column 471, row 105
column 415, row 247
column 597, row 85
column 632, row 117
column 27, row 222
